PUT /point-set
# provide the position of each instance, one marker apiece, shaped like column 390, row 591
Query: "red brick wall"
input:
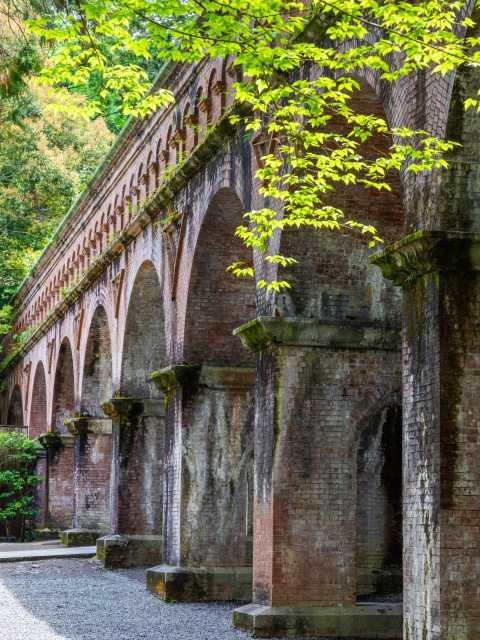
column 60, row 499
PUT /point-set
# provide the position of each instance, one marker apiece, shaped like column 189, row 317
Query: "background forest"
column 50, row 145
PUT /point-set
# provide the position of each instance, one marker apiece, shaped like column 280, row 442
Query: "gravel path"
column 78, row 600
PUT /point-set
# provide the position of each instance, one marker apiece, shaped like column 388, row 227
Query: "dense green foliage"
column 18, row 455
column 46, row 159
column 273, row 42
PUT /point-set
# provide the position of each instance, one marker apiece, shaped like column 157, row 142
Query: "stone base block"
column 198, row 584
column 362, row 622
column 47, row 534
column 123, row 551
column 80, row 537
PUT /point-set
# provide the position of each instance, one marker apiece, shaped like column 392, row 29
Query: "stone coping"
column 424, row 252
column 304, row 332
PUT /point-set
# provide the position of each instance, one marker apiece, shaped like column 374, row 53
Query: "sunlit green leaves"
column 298, row 62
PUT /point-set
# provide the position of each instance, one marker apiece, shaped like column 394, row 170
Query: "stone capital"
column 426, row 252
column 174, row 377
column 123, row 408
column 305, row 332
column 83, row 425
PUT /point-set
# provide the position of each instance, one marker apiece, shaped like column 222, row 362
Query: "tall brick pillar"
column 315, row 381
column 440, row 275
column 138, row 428
column 208, row 484
column 91, row 480
column 56, row 472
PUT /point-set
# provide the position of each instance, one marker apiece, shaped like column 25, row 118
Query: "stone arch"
column 15, row 408
column 63, row 405
column 379, row 500
column 97, row 365
column 144, row 347
column 217, row 301
column 38, row 407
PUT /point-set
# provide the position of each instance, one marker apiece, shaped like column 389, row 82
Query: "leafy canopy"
column 276, row 45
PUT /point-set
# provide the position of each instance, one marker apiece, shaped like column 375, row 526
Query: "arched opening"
column 93, row 442
column 218, row 302
column 38, row 409
column 144, row 347
column 15, row 408
column 218, row 406
column 97, row 369
column 61, row 461
column 141, row 438
column 379, row 505
column 63, row 388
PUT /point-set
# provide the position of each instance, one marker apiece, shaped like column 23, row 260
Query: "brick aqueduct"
column 227, row 438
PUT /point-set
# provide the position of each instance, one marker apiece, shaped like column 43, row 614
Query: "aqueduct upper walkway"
column 277, row 450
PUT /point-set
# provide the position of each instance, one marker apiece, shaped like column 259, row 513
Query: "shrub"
column 18, row 455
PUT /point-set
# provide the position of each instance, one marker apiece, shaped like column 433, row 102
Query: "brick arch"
column 144, row 346
column 63, row 405
column 217, row 301
column 97, row 365
column 37, row 423
column 15, row 408
column 333, row 280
